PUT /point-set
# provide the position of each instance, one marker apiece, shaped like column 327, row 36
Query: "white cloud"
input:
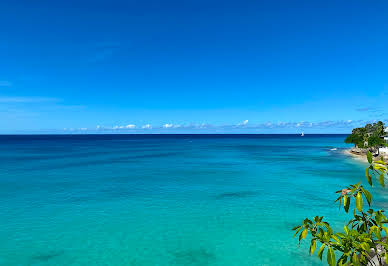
column 168, row 125
column 329, row 124
column 243, row 123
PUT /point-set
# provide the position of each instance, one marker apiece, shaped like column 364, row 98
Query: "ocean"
column 168, row 199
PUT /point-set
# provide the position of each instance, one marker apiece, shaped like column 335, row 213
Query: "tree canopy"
column 369, row 136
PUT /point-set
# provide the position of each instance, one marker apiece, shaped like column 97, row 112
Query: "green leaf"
column 313, row 246
column 355, row 260
column 359, row 202
column 365, row 246
column 381, row 180
column 370, row 157
column 368, row 176
column 296, row 227
column 304, row 233
column 339, row 203
column 320, row 251
column 346, row 207
column 377, row 232
column 335, row 238
column 346, row 230
column 367, row 195
column 345, row 198
column 386, row 257
column 331, row 257
column 297, row 231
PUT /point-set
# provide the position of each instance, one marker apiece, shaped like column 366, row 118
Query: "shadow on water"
column 45, row 256
column 103, row 161
column 238, row 194
column 194, row 257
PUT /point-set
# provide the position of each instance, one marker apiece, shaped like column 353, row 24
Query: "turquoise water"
column 167, row 200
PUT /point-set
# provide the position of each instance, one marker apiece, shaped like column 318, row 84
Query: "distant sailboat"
column 302, row 134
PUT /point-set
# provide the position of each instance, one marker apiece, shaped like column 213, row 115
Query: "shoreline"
column 358, row 157
column 361, row 157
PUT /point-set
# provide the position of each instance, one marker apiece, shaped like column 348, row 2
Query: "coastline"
column 361, row 157
column 358, row 157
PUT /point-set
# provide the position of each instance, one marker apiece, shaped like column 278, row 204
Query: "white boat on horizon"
column 302, row 134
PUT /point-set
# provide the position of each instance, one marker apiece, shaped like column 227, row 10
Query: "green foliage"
column 356, row 139
column 362, row 235
column 375, row 141
column 367, row 137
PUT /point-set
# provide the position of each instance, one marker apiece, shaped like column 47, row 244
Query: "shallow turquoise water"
column 167, row 200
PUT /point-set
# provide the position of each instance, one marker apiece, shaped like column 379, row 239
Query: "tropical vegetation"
column 370, row 136
column 364, row 238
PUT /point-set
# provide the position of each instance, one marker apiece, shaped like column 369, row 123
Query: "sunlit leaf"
column 313, row 246
column 386, row 257
column 304, row 233
column 345, row 200
column 359, row 202
column 320, row 251
column 346, row 230
column 370, row 157
column 365, row 246
column 355, row 260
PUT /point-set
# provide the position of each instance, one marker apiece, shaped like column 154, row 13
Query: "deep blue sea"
column 168, row 199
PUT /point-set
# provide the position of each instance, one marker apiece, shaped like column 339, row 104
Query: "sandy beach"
column 361, row 158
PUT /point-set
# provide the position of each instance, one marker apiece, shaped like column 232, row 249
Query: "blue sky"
column 192, row 66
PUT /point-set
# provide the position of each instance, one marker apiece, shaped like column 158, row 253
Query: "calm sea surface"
column 167, row 199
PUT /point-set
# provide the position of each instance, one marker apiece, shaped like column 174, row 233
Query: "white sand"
column 361, row 158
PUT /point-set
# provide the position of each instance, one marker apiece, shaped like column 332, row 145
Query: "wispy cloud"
column 373, row 112
column 370, row 109
column 281, row 126
column 6, row 99
column 147, row 126
column 363, row 109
